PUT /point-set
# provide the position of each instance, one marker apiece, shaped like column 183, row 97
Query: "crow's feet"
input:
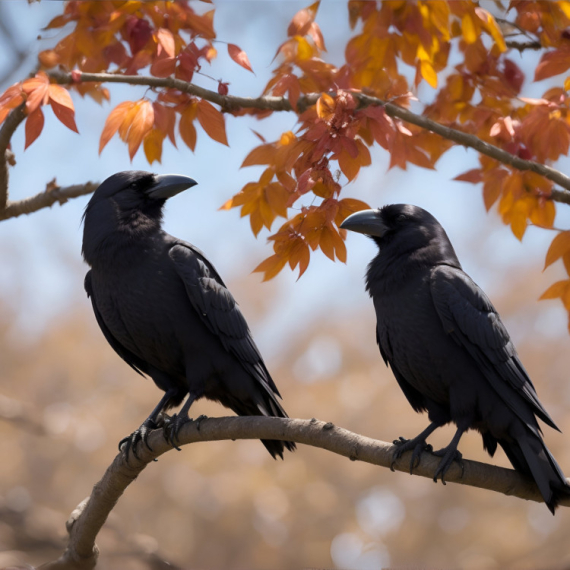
column 172, row 427
column 448, row 454
column 417, row 445
column 199, row 420
column 140, row 434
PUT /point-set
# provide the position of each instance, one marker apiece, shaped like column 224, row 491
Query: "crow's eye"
column 402, row 218
column 134, row 185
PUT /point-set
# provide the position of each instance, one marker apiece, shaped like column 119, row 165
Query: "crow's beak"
column 366, row 222
column 168, row 185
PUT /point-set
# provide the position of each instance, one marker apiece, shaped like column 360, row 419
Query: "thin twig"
column 87, row 520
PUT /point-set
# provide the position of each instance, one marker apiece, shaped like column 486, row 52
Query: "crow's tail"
column 529, row 455
column 265, row 404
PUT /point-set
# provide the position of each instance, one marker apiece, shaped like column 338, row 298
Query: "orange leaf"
column 36, row 89
column 349, row 166
column 263, row 154
column 271, row 266
column 140, row 126
column 348, row 206
column 552, row 63
column 186, row 127
column 566, row 260
column 239, row 56
column 34, row 126
column 325, row 106
column 474, row 176
column 300, row 255
column 113, row 122
column 212, row 122
column 543, row 213
column 556, row 290
column 153, row 145
column 166, row 40
column 519, row 215
column 302, row 20
column 560, row 245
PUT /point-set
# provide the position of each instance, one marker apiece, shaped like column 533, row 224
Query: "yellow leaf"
column 304, row 49
column 543, row 213
column 325, row 106
column 519, row 215
column 152, row 145
column 567, row 84
column 428, row 73
column 468, row 29
column 271, row 266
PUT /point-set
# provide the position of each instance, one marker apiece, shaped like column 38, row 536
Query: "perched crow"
column 165, row 310
column 448, row 349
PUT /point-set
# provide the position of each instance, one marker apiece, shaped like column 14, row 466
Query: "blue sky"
column 42, row 271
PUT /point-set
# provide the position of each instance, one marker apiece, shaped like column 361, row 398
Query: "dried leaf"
column 552, row 63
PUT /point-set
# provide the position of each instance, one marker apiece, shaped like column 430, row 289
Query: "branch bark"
column 88, row 518
column 229, row 102
column 46, row 199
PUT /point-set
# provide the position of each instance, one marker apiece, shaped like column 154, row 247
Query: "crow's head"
column 403, row 229
column 130, row 202
column 138, row 191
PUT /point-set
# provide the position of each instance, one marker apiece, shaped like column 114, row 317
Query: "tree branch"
column 88, row 518
column 6, row 131
column 230, row 102
column 46, row 199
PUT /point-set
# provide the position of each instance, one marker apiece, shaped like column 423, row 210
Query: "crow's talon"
column 172, row 427
column 199, row 420
column 448, row 457
column 141, row 434
column 417, row 446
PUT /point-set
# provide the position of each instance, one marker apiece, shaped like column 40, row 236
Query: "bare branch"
column 229, row 102
column 87, row 520
column 521, row 46
column 46, row 199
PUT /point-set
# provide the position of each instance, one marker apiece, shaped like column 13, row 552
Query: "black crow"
column 448, row 349
column 165, row 310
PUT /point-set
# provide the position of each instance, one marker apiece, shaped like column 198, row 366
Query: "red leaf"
column 239, row 56
column 212, row 122
column 34, row 126
column 223, row 88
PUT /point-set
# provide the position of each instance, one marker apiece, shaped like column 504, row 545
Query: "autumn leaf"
column 212, row 121
column 186, row 126
column 152, row 145
column 113, row 122
column 239, row 56
column 62, row 106
column 271, row 266
column 560, row 289
column 552, row 63
column 141, row 124
column 34, row 126
column 560, row 246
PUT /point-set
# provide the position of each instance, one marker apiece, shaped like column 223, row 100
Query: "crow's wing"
column 218, row 309
column 469, row 317
column 136, row 363
column 416, row 399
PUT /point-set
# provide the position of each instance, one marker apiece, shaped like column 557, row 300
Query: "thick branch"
column 229, row 102
column 6, row 131
column 89, row 517
column 46, row 199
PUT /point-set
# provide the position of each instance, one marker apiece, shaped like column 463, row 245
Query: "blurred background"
column 66, row 398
